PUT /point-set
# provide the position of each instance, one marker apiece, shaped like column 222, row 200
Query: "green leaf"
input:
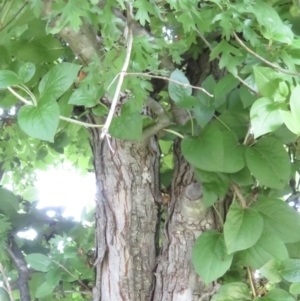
column 41, row 121
column 26, row 72
column 295, row 288
column 44, row 290
column 203, row 114
column 279, row 218
column 209, row 256
column 242, row 229
column 295, row 102
column 276, row 294
column 266, row 79
column 127, row 126
column 58, row 80
column 8, row 78
column 45, row 49
column 225, row 85
column 265, row 116
column 39, row 262
column 290, row 270
column 176, row 91
column 268, row 246
column 269, row 162
column 271, row 270
column 235, row 291
column 9, row 203
column 246, row 97
column 292, row 123
column 214, row 150
column 242, row 177
column 82, row 98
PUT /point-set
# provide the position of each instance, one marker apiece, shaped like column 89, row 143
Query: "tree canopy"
column 219, row 77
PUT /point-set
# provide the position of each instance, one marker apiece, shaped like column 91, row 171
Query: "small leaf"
column 295, row 288
column 39, row 262
column 265, row 116
column 209, row 256
column 242, row 229
column 9, row 203
column 279, row 218
column 44, row 290
column 178, row 92
column 290, row 270
column 269, row 162
column 40, row 121
column 8, row 78
column 292, row 123
column 26, row 72
column 276, row 294
column 270, row 270
column 58, row 80
column 87, row 98
column 295, row 103
column 235, row 291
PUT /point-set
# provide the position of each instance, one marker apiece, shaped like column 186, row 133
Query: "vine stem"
column 263, row 59
column 239, row 194
column 122, row 73
column 168, row 79
column 250, row 276
column 174, row 133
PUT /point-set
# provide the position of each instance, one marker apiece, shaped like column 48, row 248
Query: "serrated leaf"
column 290, row 270
column 242, row 229
column 39, row 262
column 276, row 294
column 178, row 92
column 26, row 72
column 268, row 246
column 9, row 203
column 8, row 78
column 40, row 121
column 265, row 116
column 209, row 256
column 214, row 150
column 58, row 80
column 279, row 218
column 235, row 291
column 269, row 162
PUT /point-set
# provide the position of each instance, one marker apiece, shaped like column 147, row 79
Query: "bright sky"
column 65, row 187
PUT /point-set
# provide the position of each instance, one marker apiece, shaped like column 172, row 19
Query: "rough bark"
column 126, row 218
column 186, row 220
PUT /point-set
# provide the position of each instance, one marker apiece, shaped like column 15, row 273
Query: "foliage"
column 241, row 137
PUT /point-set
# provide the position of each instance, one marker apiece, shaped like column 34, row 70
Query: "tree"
column 191, row 110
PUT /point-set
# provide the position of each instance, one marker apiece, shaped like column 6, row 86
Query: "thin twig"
column 60, row 265
column 168, row 79
column 174, row 133
column 263, row 59
column 239, row 194
column 81, row 122
column 251, row 282
column 122, row 74
column 237, row 77
column 7, row 285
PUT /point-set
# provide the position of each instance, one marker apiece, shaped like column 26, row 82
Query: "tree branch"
column 263, row 59
column 18, row 258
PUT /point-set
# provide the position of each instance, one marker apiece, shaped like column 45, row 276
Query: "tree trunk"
column 187, row 218
column 126, row 218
